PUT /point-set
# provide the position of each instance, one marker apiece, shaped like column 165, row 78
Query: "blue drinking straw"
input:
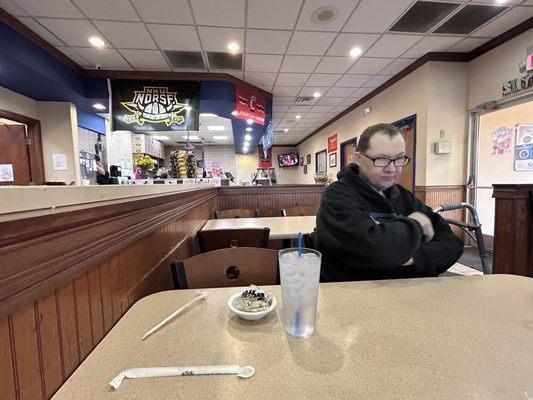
column 298, row 316
column 300, row 237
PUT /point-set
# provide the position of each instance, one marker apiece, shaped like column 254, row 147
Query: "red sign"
column 264, row 162
column 250, row 106
column 332, row 143
column 529, row 62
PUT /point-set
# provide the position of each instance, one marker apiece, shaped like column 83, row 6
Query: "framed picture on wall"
column 321, row 166
column 332, row 160
column 308, row 159
column 301, row 161
column 305, row 169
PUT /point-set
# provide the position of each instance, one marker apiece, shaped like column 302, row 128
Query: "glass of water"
column 299, row 290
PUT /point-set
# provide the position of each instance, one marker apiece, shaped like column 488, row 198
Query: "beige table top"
column 280, row 227
column 435, row 338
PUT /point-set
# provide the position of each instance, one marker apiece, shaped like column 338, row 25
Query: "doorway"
column 407, row 127
column 348, row 150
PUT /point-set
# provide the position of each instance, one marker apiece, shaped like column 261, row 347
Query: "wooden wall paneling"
column 7, row 377
column 48, row 327
column 95, row 298
column 503, row 251
column 26, row 346
column 83, row 316
column 107, row 296
column 68, row 329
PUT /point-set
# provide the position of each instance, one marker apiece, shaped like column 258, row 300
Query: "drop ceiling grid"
column 243, row 16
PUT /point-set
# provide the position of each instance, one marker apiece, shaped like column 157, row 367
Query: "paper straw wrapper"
column 246, row 371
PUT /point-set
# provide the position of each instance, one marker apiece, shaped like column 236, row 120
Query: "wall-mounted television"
column 288, row 160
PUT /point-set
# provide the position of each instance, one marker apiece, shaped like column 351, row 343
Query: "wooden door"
column 14, row 156
column 408, row 129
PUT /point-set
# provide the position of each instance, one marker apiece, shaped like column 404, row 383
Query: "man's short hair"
column 364, row 140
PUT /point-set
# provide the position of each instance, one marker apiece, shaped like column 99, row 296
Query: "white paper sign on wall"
column 6, row 173
column 59, row 162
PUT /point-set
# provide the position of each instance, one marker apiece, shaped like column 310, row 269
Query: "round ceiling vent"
column 324, row 14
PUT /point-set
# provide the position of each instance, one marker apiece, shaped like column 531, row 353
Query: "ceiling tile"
column 468, row 44
column 146, row 59
column 126, row 35
column 310, row 43
column 116, row 10
column 346, row 41
column 280, row 109
column 286, row 90
column 175, row 37
column 364, row 18
column 505, row 22
column 362, row 92
column 323, row 79
column 397, row 66
column 309, row 90
column 392, row 45
column 217, row 39
column 262, row 63
column 299, row 109
column 349, row 101
column 260, row 78
column 239, row 75
column 164, row 11
column 299, row 63
column 505, row 1
column 41, row 31
column 72, row 32
column 50, row 8
column 330, row 101
column 334, row 65
column 11, row 7
column 268, row 42
column 370, row 65
column 107, row 58
column 287, row 79
column 273, row 14
column 353, row 80
column 429, row 44
column 377, row 81
column 282, row 100
column 219, row 13
column 74, row 56
column 344, row 8
column 339, row 92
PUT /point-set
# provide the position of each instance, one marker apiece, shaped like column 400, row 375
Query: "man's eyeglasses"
column 385, row 162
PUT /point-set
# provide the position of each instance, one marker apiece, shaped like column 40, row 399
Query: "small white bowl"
column 250, row 316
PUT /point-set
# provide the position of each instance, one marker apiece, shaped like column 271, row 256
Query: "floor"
column 460, row 269
column 469, row 263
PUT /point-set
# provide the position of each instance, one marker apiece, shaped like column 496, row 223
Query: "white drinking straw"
column 202, row 295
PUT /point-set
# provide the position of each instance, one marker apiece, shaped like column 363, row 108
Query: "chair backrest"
column 239, row 266
column 298, row 211
column 237, row 213
column 223, row 238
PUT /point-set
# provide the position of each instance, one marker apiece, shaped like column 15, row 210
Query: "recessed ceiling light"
column 216, row 128
column 161, row 137
column 249, row 121
column 356, row 52
column 234, row 113
column 233, row 47
column 208, row 115
column 247, row 137
column 249, row 129
column 96, row 41
column 220, row 137
column 317, row 94
column 298, row 117
column 501, row 1
column 286, row 130
column 191, row 137
column 99, row 106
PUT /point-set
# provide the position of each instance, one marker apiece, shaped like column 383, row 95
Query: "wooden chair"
column 223, row 238
column 237, row 213
column 298, row 211
column 239, row 266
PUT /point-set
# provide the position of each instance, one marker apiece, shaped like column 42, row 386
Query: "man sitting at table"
column 369, row 227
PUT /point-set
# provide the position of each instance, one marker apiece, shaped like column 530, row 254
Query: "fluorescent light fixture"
column 249, row 129
column 216, row 128
column 96, row 41
column 249, row 121
column 356, row 52
column 208, row 115
column 220, row 137
column 317, row 94
column 298, row 117
column 161, row 137
column 191, row 137
column 99, row 106
column 234, row 113
column 247, row 137
column 233, row 47
column 286, row 130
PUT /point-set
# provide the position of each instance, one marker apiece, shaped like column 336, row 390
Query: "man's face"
column 381, row 146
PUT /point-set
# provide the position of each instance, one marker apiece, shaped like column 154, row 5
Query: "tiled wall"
column 87, row 139
column 119, row 145
column 224, row 154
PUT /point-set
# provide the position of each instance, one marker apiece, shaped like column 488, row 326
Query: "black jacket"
column 355, row 247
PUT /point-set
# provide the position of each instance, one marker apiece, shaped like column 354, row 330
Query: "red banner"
column 250, row 106
column 332, row 143
column 264, row 162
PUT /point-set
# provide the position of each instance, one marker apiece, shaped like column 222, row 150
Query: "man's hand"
column 425, row 222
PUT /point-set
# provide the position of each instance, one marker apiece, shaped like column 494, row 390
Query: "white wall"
column 247, row 165
column 17, row 103
column 223, row 154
